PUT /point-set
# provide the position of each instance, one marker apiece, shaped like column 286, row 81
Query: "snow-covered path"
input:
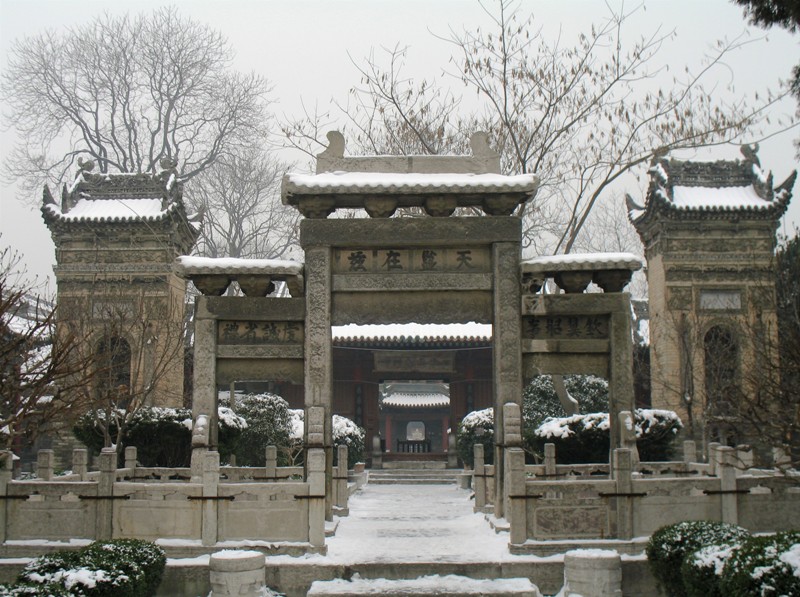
column 415, row 523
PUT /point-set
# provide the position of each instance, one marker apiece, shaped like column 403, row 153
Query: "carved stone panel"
column 260, row 332
column 397, row 260
column 568, row 327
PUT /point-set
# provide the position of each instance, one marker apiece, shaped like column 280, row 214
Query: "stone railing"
column 628, row 504
column 203, row 505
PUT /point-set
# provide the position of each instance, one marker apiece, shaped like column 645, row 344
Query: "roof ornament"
column 335, row 147
column 479, row 144
column 750, row 153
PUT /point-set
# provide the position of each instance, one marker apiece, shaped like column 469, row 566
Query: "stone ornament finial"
column 85, row 165
column 335, row 147
column 750, row 153
column 479, row 143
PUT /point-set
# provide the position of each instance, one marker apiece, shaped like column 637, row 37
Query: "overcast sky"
column 305, row 47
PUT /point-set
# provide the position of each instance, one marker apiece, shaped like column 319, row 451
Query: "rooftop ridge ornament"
column 382, row 184
column 484, row 159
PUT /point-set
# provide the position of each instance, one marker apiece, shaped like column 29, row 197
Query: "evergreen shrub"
column 118, row 568
column 767, row 566
column 669, row 546
column 701, row 570
column 476, row 428
column 347, row 433
column 268, row 424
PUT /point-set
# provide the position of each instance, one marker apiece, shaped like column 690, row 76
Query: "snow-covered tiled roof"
column 344, row 183
column 186, row 265
column 416, row 400
column 682, row 189
column 581, row 261
column 112, row 210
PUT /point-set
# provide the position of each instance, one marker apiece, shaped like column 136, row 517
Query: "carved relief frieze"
column 260, row 332
column 679, row 298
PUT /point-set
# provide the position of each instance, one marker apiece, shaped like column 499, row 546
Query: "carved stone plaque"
column 423, row 260
column 566, row 327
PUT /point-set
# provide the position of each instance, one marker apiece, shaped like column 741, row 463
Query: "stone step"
column 447, row 586
column 414, row 464
column 416, row 473
column 412, row 481
column 415, row 477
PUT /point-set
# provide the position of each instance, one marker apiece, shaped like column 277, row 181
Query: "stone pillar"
column 452, row 451
column 6, row 473
column 517, row 513
column 726, row 470
column 592, row 573
column 340, row 493
column 44, row 464
column 315, row 465
column 388, row 438
column 271, row 462
column 318, row 355
column 105, row 489
column 621, row 470
column 620, row 382
column 204, row 389
column 507, row 350
column 550, row 466
column 80, row 462
column 237, row 573
column 627, row 431
column 130, row 459
column 377, row 453
column 689, row 451
column 713, row 458
column 512, row 415
column 209, row 530
column 479, row 477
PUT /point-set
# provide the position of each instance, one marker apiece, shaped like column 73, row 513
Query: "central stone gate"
column 455, row 258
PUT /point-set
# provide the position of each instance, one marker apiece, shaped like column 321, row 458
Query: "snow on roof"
column 187, row 265
column 112, row 210
column 582, row 261
column 416, row 400
column 382, row 182
column 685, row 197
column 412, row 330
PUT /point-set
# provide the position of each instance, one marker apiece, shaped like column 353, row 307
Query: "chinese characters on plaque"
column 427, row 259
column 563, row 327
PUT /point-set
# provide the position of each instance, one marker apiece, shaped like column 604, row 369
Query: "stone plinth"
column 237, row 573
column 592, row 573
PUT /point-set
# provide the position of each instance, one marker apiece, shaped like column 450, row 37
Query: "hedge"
column 476, row 428
column 765, row 566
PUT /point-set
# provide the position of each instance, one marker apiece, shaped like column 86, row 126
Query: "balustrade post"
column 479, row 477
column 452, row 451
column 105, row 491
column 6, row 473
column 377, row 454
column 689, row 451
column 80, row 462
column 727, row 481
column 130, row 459
column 517, row 512
column 44, row 465
column 271, row 462
column 550, row 467
column 340, row 481
column 622, row 469
column 210, row 528
column 713, row 458
column 315, row 465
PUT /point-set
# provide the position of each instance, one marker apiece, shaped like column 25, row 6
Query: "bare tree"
column 126, row 92
column 580, row 116
column 44, row 377
column 242, row 211
column 138, row 348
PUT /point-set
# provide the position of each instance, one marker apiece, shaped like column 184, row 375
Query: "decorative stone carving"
column 380, row 207
column 440, row 207
column 253, row 285
column 212, row 285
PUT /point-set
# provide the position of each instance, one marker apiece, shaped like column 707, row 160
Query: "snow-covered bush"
column 764, row 566
column 670, row 544
column 476, row 428
column 347, row 433
column 540, row 401
column 701, row 570
column 585, row 438
column 162, row 436
column 578, row 439
column 268, row 424
column 656, row 431
column 122, row 567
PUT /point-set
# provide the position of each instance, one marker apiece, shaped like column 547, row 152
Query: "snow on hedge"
column 647, row 419
column 478, row 418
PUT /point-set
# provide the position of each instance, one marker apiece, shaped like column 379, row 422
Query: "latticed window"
column 721, row 353
column 113, row 366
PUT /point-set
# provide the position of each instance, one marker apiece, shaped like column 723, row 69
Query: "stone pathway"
column 415, row 523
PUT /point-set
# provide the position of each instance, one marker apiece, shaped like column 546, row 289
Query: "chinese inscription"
column 428, row 259
column 260, row 332
column 560, row 327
